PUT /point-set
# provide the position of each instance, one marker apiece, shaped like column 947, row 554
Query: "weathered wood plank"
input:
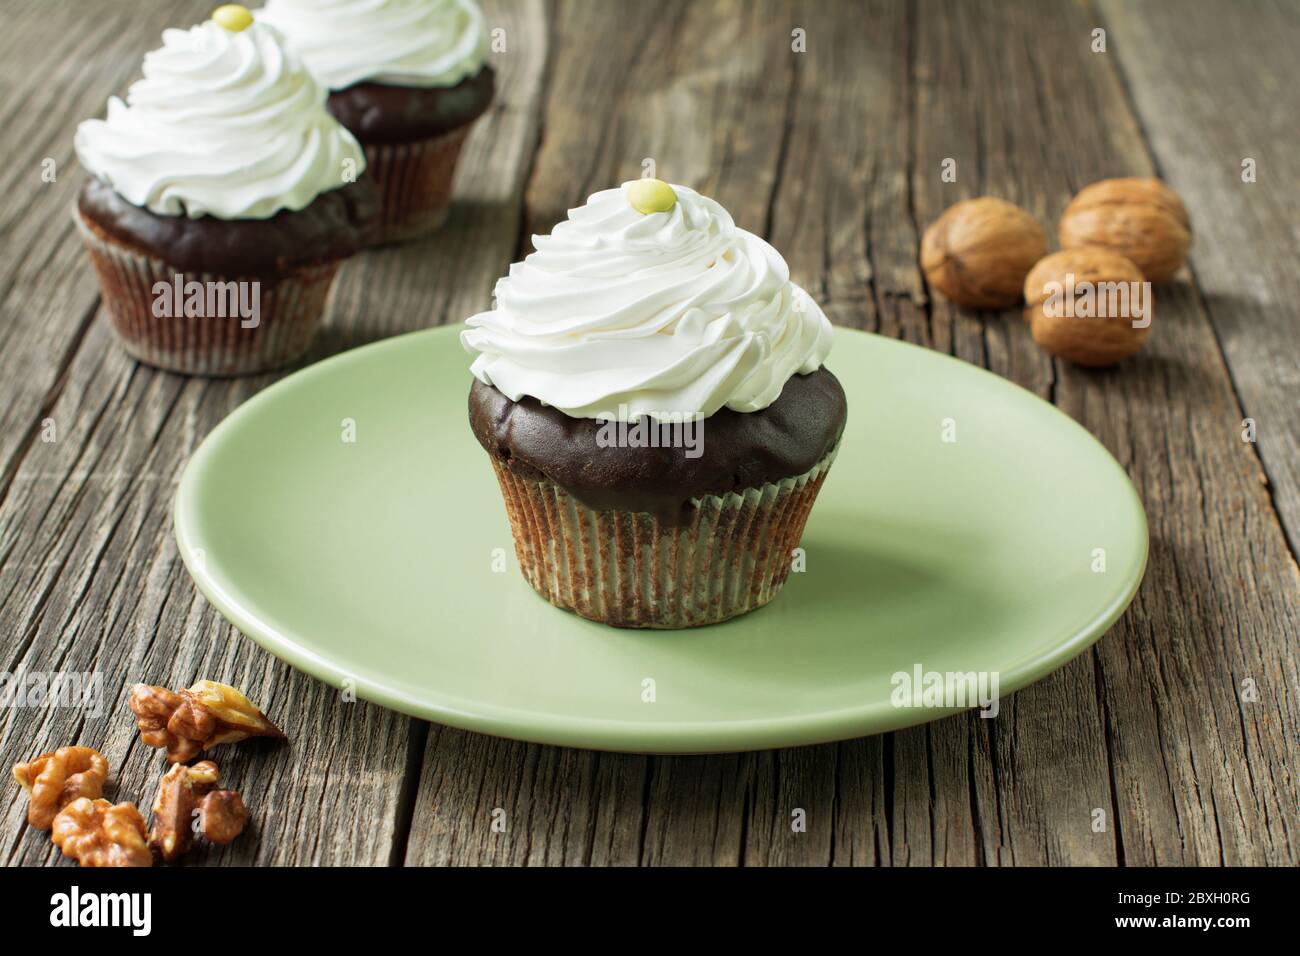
column 91, row 580
column 1202, row 769
column 1017, row 97
column 976, row 74
column 1248, row 240
column 449, row 277
column 486, row 800
column 59, row 65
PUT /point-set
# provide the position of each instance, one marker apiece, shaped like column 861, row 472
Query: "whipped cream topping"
column 222, row 124
column 622, row 314
column 398, row 42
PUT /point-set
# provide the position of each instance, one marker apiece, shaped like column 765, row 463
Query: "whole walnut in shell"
column 979, row 251
column 1141, row 219
column 1089, row 306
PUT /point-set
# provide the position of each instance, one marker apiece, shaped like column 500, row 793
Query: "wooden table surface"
column 1182, row 724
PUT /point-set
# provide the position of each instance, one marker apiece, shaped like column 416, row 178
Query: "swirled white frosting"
column 399, row 42
column 222, row 124
column 619, row 314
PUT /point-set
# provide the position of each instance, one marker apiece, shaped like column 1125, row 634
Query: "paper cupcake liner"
column 630, row 569
column 289, row 309
column 414, row 182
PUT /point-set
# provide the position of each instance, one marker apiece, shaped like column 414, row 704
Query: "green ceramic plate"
column 385, row 563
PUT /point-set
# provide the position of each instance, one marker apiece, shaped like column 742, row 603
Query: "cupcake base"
column 414, row 182
column 631, row 569
column 412, row 136
column 289, row 308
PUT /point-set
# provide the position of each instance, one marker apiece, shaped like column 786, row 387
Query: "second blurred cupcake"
column 222, row 200
column 408, row 78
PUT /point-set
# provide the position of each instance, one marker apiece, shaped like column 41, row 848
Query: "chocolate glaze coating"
column 380, row 113
column 740, row 449
column 331, row 227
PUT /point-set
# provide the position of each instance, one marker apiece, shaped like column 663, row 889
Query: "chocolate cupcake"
column 407, row 77
column 650, row 390
column 223, row 198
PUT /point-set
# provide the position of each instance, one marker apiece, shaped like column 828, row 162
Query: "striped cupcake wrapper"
column 630, row 569
column 414, row 182
column 289, row 309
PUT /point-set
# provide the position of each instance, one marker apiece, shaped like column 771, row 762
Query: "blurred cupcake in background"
column 408, row 78
column 222, row 199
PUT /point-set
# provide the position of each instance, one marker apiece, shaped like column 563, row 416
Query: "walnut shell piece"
column 1142, row 219
column 1089, row 306
column 978, row 252
column 187, row 722
column 53, row 780
column 97, row 833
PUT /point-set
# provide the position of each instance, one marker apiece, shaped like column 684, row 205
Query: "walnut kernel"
column 187, row 801
column 97, row 833
column 53, row 780
column 187, row 722
column 222, row 816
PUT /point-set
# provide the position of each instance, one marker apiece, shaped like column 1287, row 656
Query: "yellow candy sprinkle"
column 651, row 195
column 233, row 17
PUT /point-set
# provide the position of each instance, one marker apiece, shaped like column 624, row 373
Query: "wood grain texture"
column 47, row 297
column 977, row 74
column 1171, row 418
column 1248, row 233
column 834, row 154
